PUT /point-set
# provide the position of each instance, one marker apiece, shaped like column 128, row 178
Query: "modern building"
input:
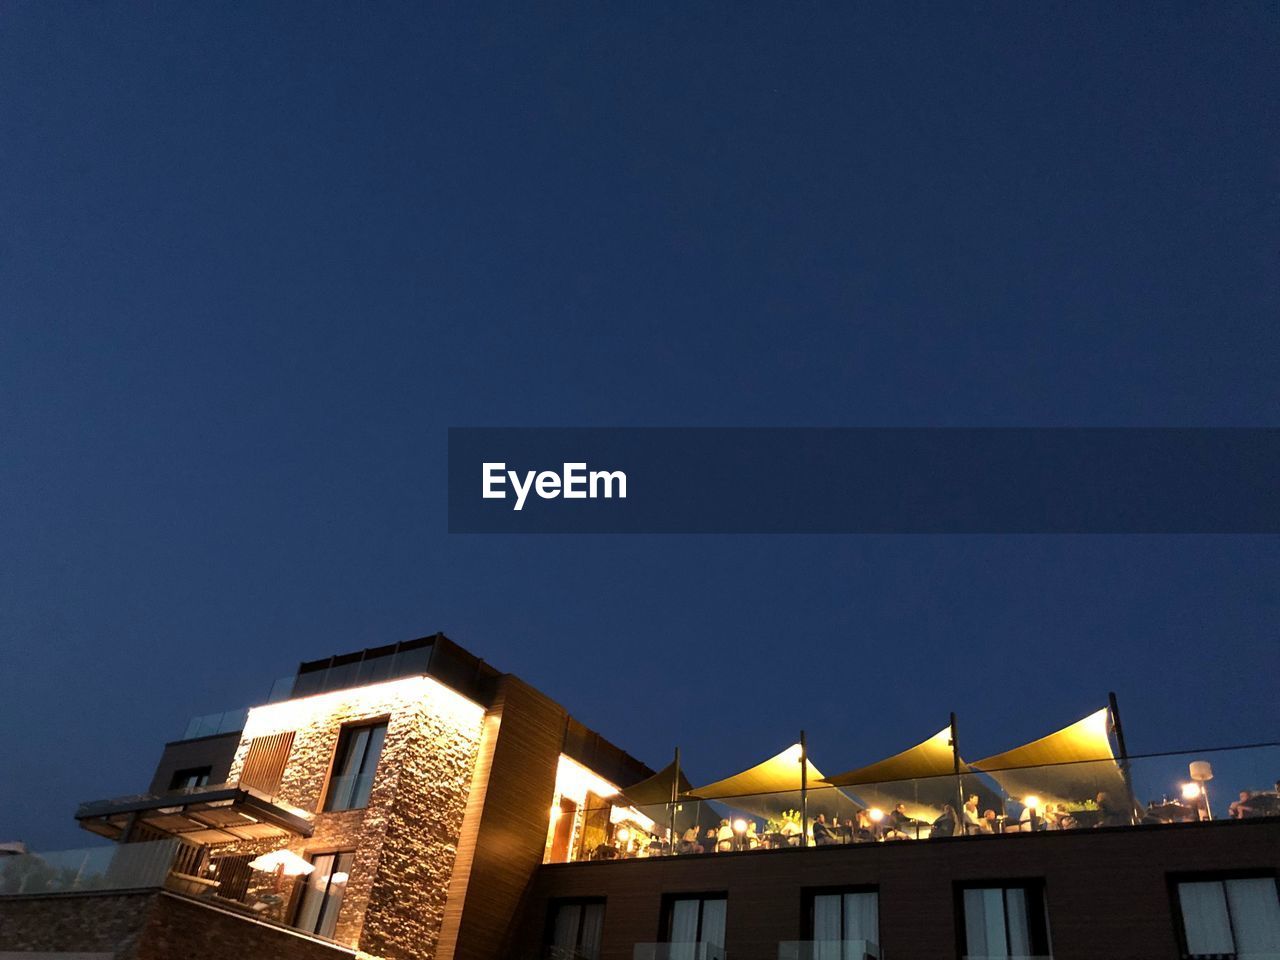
column 410, row 802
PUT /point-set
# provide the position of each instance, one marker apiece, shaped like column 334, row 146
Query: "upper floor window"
column 1008, row 921
column 354, row 765
column 576, row 929
column 190, row 778
column 844, row 924
column 1234, row 917
column 694, row 926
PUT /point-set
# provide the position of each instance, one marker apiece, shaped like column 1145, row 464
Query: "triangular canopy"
column 656, row 789
column 1073, row 765
column 771, row 787
column 652, row 797
column 921, row 778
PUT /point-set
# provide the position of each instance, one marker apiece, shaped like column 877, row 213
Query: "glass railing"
column 131, row 866
column 678, row 951
column 1150, row 790
column 212, row 724
column 828, row 950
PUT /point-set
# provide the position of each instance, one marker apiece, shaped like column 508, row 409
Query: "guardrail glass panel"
column 129, row 866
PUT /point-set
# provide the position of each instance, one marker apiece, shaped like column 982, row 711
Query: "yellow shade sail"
column 769, row 788
column 1071, row 766
column 921, row 778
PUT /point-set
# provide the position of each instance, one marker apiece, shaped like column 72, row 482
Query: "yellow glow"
column 1191, row 791
column 293, row 864
column 876, row 814
column 739, row 826
column 339, row 877
column 631, row 815
column 296, row 714
column 575, row 781
column 1031, row 802
column 623, row 834
column 555, row 811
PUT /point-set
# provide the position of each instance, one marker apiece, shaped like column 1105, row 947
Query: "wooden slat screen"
column 264, row 763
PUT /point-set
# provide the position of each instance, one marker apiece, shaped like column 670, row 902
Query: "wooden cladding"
column 264, row 763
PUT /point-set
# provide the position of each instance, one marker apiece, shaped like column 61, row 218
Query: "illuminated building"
column 411, row 802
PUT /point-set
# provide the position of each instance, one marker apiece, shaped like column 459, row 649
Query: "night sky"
column 255, row 259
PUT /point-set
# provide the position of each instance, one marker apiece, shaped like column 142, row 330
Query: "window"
column 694, row 926
column 1005, row 922
column 354, row 766
column 322, row 893
column 844, row 924
column 576, row 928
column 189, row 778
column 1233, row 917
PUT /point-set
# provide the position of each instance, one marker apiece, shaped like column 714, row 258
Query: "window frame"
column 1028, row 885
column 1174, row 880
column 808, row 907
column 300, row 889
column 345, row 731
column 556, row 904
column 204, row 770
column 669, row 901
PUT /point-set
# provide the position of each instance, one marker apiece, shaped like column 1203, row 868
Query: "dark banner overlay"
column 695, row 480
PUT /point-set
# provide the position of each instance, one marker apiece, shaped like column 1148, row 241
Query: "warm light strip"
column 294, row 714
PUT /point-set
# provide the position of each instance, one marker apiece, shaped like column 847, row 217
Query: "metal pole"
column 804, row 792
column 955, row 763
column 675, row 797
column 1114, row 707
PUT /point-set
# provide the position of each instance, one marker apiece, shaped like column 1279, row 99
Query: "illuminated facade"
column 410, row 802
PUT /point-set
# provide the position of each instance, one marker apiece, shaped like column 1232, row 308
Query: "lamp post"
column 1202, row 772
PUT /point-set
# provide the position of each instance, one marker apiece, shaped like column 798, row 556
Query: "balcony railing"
column 1149, row 790
column 678, row 951
column 132, row 866
column 828, row 950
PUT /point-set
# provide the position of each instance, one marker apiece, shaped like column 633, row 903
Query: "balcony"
column 678, row 951
column 828, row 950
column 1151, row 791
column 199, row 815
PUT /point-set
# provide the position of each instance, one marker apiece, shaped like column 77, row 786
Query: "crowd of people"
column 872, row 825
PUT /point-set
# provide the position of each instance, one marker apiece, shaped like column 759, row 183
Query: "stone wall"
column 85, row 923
column 148, row 925
column 406, row 839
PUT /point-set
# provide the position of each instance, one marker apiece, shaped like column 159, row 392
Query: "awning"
column 921, row 778
column 652, row 797
column 218, row 814
column 1070, row 766
column 769, row 788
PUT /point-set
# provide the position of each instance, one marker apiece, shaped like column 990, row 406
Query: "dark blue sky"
column 254, row 262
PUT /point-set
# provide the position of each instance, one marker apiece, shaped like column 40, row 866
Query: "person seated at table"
column 970, row 820
column 709, row 841
column 1110, row 813
column 989, row 823
column 848, row 831
column 724, row 837
column 822, row 835
column 899, row 824
column 947, row 825
column 689, row 842
column 866, row 828
column 1052, row 817
column 1239, row 809
column 790, row 833
column 752, row 839
column 658, row 847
